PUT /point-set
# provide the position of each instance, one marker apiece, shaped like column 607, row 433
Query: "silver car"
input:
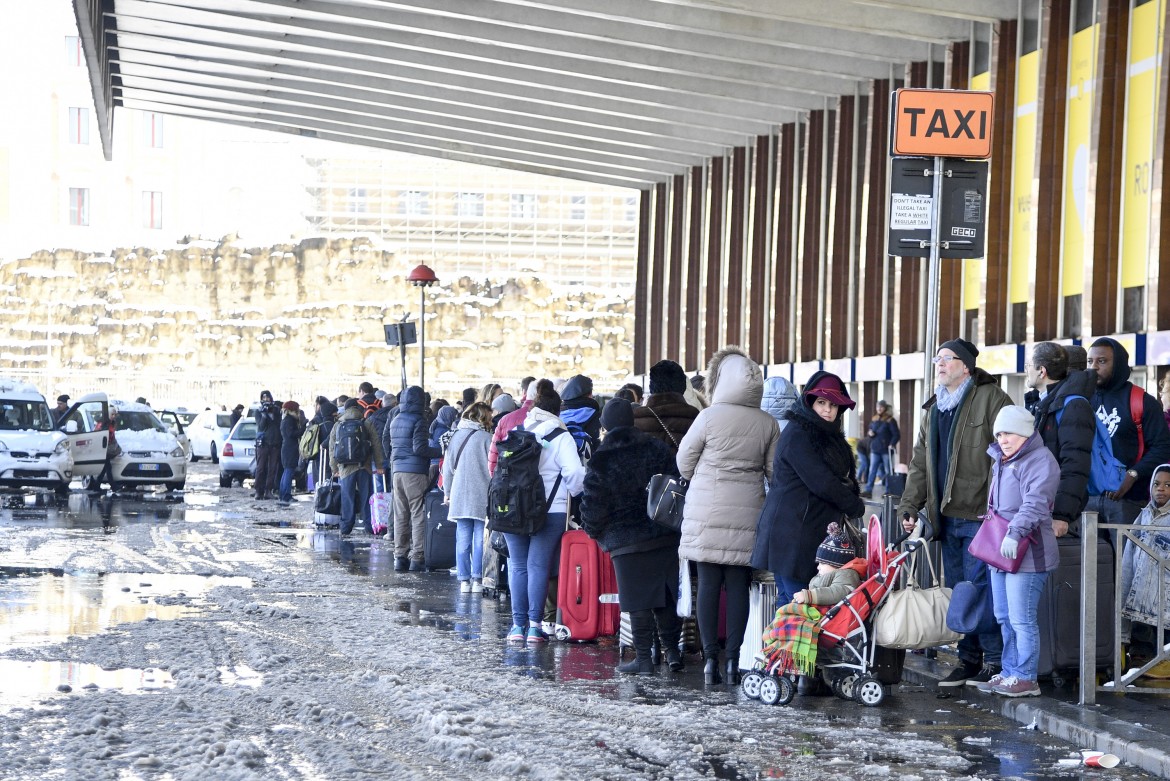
column 237, row 458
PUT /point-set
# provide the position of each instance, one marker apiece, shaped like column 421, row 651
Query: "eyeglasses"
column 936, row 360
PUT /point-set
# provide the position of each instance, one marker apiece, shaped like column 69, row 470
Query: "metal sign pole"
column 933, row 277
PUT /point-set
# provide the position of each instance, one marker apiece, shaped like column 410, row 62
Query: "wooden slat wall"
column 873, row 306
column 808, row 273
column 787, row 169
column 674, row 273
column 715, row 218
column 641, row 317
column 695, row 281
column 763, row 162
column 839, row 285
column 733, row 333
column 658, row 271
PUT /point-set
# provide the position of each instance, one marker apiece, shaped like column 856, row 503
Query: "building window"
column 524, row 206
column 414, row 202
column 469, row 205
column 78, row 125
column 356, row 202
column 151, row 209
column 632, row 208
column 79, row 206
column 74, row 54
column 152, row 130
column 578, row 210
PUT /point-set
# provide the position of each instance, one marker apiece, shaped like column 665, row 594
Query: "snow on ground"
column 307, row 669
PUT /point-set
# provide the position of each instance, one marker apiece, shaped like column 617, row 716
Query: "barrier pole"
column 1088, row 673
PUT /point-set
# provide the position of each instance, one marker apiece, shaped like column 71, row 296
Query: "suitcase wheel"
column 562, row 632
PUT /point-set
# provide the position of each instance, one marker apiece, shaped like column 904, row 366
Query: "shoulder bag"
column 665, row 494
column 988, row 540
column 915, row 617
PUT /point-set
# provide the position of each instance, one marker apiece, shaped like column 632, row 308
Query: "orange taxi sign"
column 943, row 123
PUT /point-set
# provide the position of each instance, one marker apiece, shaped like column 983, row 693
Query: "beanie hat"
column 379, row 394
column 667, row 377
column 837, row 548
column 829, row 386
column 965, row 350
column 530, row 394
column 618, row 413
column 291, row 406
column 504, row 403
column 351, row 404
column 1014, row 419
column 577, row 386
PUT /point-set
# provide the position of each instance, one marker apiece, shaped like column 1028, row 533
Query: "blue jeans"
column 879, row 466
column 286, row 484
column 1016, row 598
column 786, row 588
column 862, row 465
column 958, row 564
column 529, row 566
column 469, row 548
column 355, row 488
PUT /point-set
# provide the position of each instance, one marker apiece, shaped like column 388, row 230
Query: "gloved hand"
column 1008, row 547
column 908, row 523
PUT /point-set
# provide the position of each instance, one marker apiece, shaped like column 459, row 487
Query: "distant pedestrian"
column 465, row 489
column 665, row 414
column 780, row 395
column 58, row 412
column 268, row 441
column 290, row 449
column 357, row 482
column 410, row 458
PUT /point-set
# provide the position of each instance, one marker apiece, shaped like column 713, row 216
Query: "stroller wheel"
column 770, row 690
column 751, row 683
column 869, row 691
column 842, row 686
column 787, row 690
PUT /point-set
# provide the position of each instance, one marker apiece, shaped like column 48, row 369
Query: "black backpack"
column 352, row 444
column 516, row 500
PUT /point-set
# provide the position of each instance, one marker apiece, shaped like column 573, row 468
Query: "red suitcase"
column 586, row 579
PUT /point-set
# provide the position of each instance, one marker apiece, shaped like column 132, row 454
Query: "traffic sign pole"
column 933, row 277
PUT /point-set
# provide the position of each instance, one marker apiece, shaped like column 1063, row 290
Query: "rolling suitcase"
column 327, row 501
column 1060, row 612
column 586, row 579
column 761, row 611
column 439, row 542
column 495, row 570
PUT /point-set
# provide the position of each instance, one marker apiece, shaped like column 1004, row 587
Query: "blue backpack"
column 1105, row 471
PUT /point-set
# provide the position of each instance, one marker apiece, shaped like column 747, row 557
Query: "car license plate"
column 148, row 467
column 249, row 451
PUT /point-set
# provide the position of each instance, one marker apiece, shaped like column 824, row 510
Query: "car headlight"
column 3, row 448
column 176, row 453
column 61, row 448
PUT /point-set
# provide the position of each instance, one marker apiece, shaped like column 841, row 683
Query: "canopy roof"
column 621, row 92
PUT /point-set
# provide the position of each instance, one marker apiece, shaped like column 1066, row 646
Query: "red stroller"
column 845, row 647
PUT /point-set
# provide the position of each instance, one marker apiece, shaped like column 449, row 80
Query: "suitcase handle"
column 579, row 575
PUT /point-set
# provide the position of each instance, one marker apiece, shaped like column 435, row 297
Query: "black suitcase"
column 327, row 502
column 495, row 570
column 888, row 664
column 439, row 543
column 1060, row 612
column 894, row 484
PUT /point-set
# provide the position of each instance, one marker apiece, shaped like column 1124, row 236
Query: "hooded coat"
column 613, row 505
column 558, row 457
column 445, row 421
column 666, row 417
column 580, row 410
column 465, row 471
column 1111, row 404
column 1022, row 490
column 325, row 417
column 727, row 455
column 780, row 395
column 1140, row 571
column 1067, row 426
column 411, row 452
column 290, row 439
column 813, row 485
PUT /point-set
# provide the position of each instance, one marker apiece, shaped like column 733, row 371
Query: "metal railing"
column 1122, row 680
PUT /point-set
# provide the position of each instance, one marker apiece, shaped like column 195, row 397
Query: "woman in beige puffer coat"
column 727, row 455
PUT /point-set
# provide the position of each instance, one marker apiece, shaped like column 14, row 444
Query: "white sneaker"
column 465, row 587
column 476, row 586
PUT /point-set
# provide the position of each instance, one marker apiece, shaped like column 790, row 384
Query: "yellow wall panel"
column 1074, row 226
column 975, row 269
column 1023, row 259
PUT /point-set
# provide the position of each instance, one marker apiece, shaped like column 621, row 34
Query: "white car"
column 32, row 451
column 207, row 433
column 150, row 453
column 239, row 450
column 174, row 420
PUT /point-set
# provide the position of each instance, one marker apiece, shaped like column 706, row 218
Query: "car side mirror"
column 71, row 427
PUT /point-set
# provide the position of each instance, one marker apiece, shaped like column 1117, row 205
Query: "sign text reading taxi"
column 946, row 123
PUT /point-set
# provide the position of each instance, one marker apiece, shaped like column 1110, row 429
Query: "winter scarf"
column 945, row 401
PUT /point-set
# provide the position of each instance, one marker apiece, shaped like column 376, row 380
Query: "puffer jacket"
column 727, row 455
column 813, row 484
column 965, row 488
column 613, row 506
column 1070, row 440
column 661, row 412
column 444, row 422
column 779, row 396
column 465, row 471
column 411, row 452
column 1140, row 571
column 1022, row 490
column 829, row 589
column 557, row 457
column 376, row 454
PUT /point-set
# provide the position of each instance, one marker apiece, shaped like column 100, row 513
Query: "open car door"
column 84, row 426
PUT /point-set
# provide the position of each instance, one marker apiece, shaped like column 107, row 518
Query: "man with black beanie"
column 665, row 414
column 1122, row 406
column 948, row 478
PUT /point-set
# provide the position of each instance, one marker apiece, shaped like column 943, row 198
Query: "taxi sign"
column 942, row 123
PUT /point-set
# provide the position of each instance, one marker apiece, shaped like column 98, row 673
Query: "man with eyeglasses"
column 1059, row 398
column 948, row 478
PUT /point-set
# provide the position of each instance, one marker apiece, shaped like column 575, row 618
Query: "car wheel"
column 177, row 485
column 62, row 489
column 191, row 455
column 90, row 483
column 225, row 480
column 214, row 455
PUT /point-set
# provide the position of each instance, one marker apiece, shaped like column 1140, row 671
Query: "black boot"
column 642, row 628
column 732, row 675
column 669, row 629
column 711, row 674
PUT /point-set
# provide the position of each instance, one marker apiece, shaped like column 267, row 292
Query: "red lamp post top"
column 422, row 276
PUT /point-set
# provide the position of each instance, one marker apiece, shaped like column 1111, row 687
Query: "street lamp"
column 422, row 277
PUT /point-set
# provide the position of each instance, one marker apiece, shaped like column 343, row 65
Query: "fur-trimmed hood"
column 734, row 378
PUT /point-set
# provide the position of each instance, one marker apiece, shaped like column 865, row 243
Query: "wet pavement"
column 914, row 734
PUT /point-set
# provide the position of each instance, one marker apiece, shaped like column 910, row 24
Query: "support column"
column 733, row 333
column 716, row 217
column 695, row 282
column 657, row 272
column 641, row 283
column 787, row 197
column 757, row 290
column 674, row 268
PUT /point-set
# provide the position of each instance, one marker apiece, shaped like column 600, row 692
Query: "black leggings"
column 735, row 580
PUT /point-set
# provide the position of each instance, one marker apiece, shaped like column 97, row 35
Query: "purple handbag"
column 985, row 546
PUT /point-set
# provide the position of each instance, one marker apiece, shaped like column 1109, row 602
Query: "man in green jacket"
column 949, row 476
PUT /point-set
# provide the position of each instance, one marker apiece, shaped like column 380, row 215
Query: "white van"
column 32, row 451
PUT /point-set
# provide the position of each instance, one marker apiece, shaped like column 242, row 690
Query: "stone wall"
column 314, row 309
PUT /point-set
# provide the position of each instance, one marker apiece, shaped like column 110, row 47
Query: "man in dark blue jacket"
column 268, row 440
column 1114, row 402
column 410, row 459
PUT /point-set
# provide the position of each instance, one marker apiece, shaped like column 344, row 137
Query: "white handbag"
column 915, row 617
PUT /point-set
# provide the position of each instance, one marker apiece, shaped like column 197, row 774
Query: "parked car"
column 150, row 453
column 32, row 451
column 207, row 433
column 239, row 450
column 173, row 419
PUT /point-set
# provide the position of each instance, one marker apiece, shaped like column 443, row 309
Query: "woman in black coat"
column 645, row 554
column 290, row 447
column 813, row 484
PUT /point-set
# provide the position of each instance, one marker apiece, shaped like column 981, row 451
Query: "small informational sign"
column 910, row 212
column 963, row 212
column 942, row 123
